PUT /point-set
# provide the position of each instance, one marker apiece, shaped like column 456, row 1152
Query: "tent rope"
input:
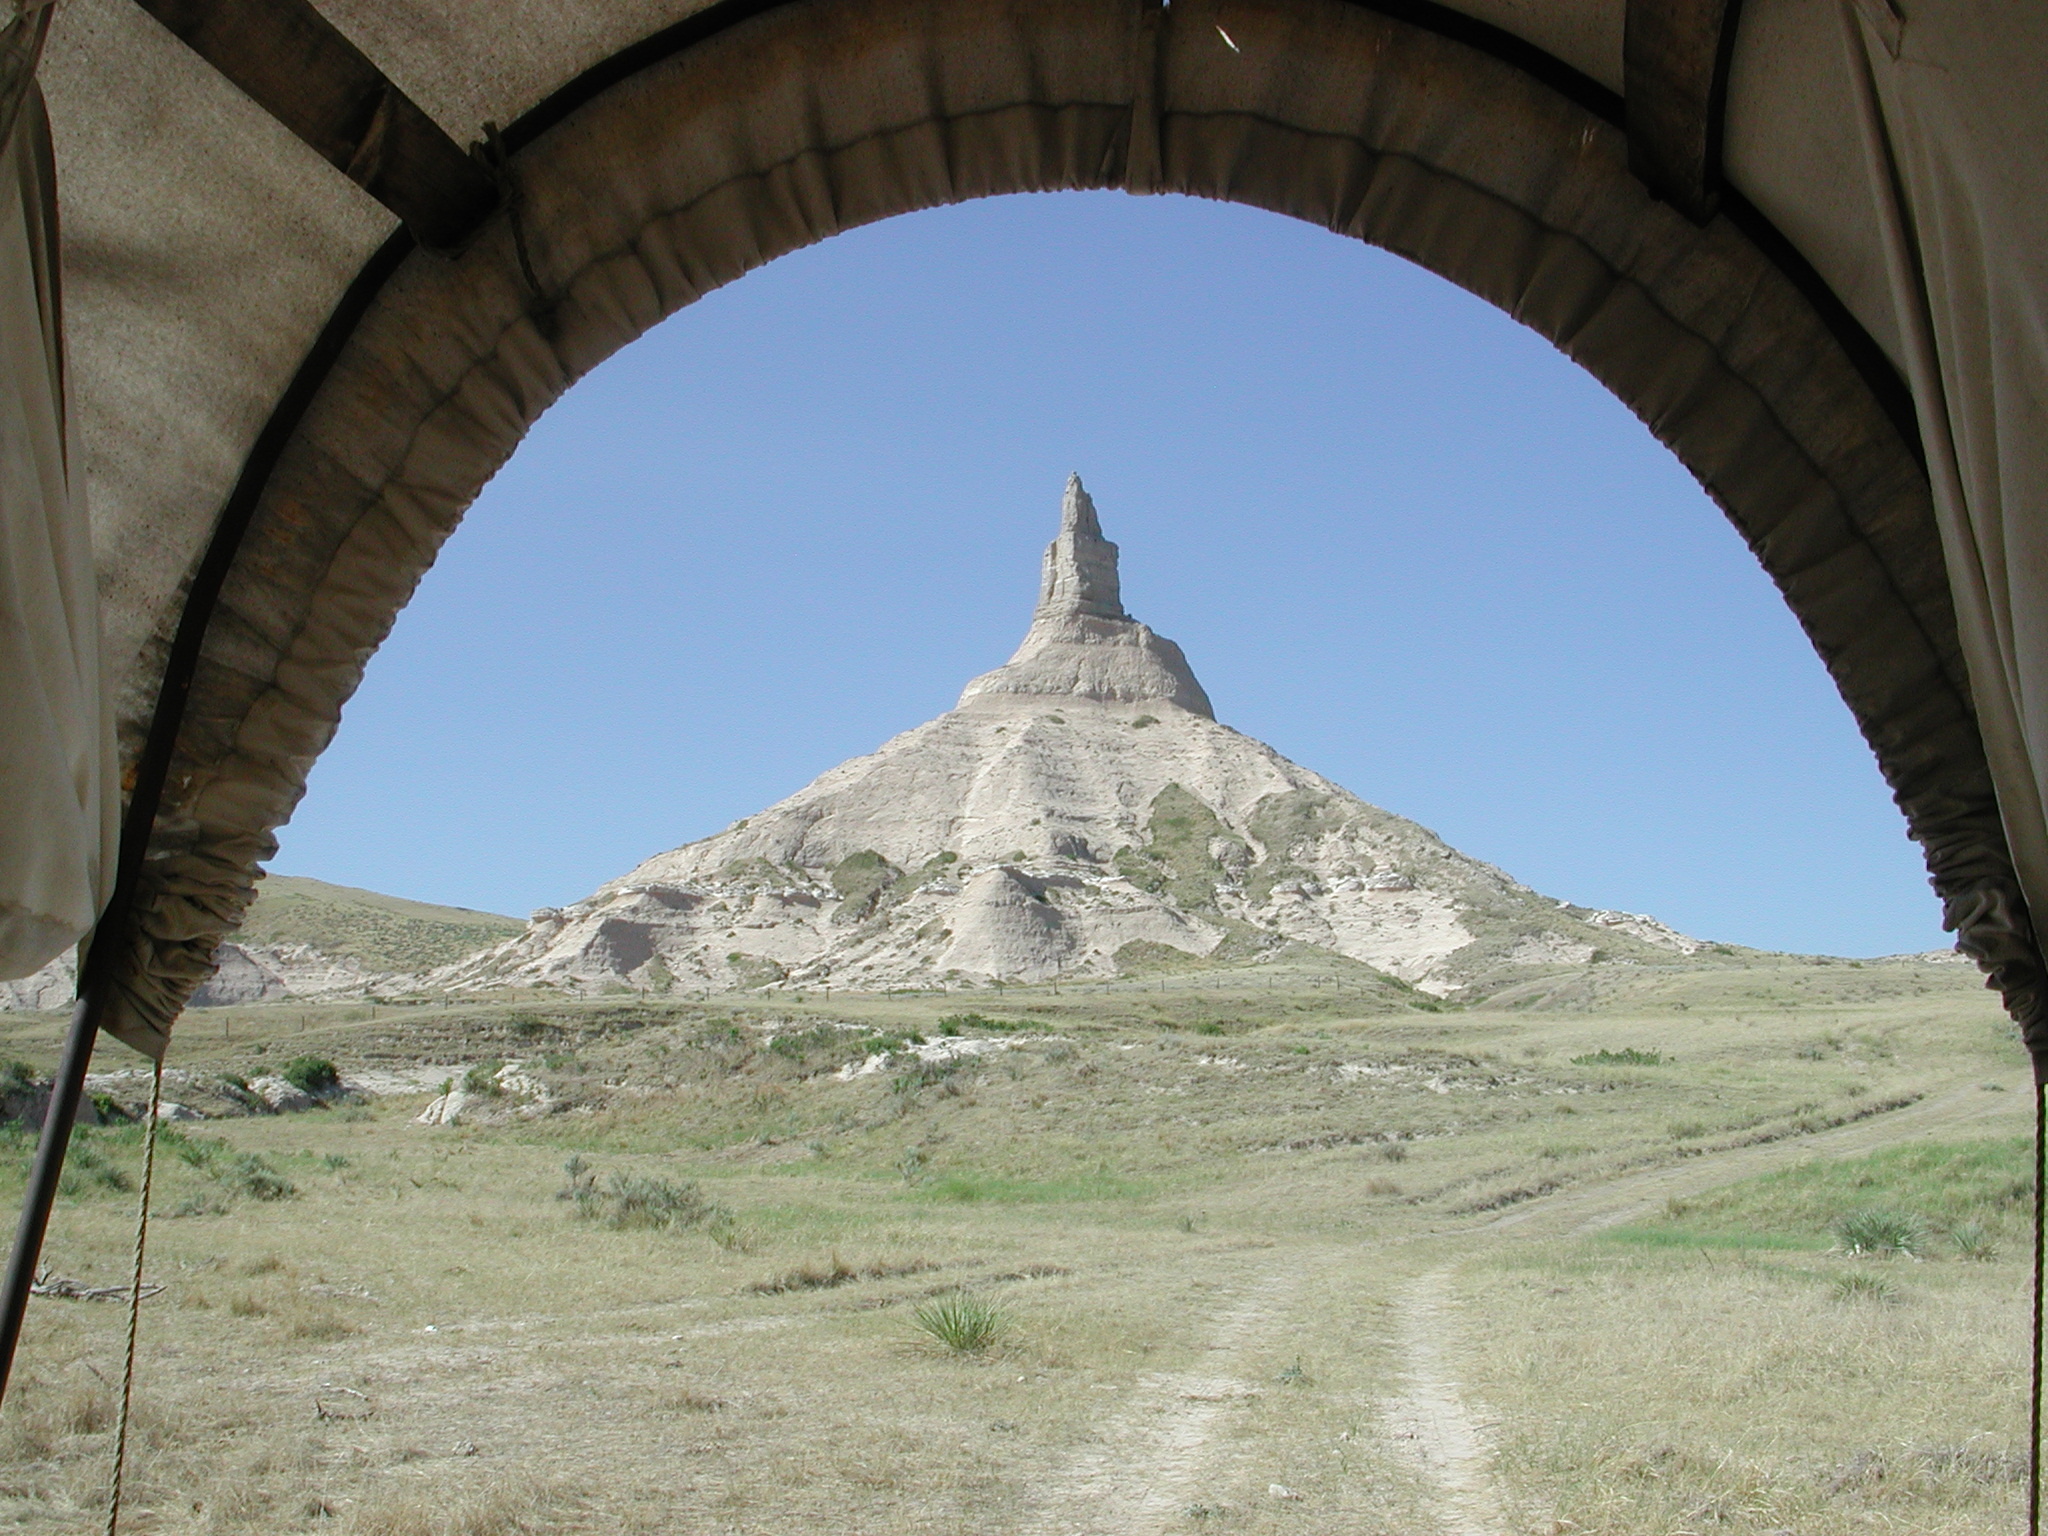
column 2040, row 1230
column 156, row 1099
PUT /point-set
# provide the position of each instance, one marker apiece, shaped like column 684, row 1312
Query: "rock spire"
column 1081, row 643
column 1080, row 565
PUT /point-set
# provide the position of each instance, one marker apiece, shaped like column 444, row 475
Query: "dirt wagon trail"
column 1134, row 1480
column 1431, row 1421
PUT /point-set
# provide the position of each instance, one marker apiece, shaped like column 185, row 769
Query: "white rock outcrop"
column 1080, row 812
column 1081, row 644
column 280, row 1095
column 248, row 973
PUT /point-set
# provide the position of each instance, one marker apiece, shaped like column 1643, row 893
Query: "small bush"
column 248, row 1174
column 689, row 1400
column 923, row 1074
column 1629, row 1056
column 199, row 1152
column 482, row 1079
column 311, row 1074
column 965, row 1324
column 242, row 1173
column 1861, row 1285
column 582, row 1180
column 724, row 1229
column 800, row 1045
column 1883, row 1233
column 318, row 1325
column 630, row 1201
column 1973, row 1242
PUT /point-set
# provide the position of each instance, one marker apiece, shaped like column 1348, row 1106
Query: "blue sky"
column 1400, row 538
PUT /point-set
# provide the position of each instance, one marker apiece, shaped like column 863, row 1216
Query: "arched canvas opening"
column 765, row 134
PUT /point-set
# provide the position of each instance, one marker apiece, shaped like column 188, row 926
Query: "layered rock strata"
column 1081, row 812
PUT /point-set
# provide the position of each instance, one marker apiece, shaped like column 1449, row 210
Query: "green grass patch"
column 1683, row 1237
column 238, row 1173
column 1628, row 1056
column 977, row 1024
column 994, row 1189
column 1863, row 1203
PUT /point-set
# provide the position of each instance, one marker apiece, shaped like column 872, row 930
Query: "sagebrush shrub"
column 311, row 1074
column 631, row 1200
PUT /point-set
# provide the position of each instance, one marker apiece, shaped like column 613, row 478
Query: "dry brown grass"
column 498, row 1342
column 508, row 1508
column 1735, row 1389
column 837, row 1272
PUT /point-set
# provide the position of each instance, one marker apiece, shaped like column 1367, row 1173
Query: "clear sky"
column 1400, row 537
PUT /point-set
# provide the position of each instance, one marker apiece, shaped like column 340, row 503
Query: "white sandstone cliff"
column 1080, row 812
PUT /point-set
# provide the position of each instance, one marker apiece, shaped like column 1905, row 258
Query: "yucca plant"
column 1884, row 1233
column 965, row 1324
column 1973, row 1242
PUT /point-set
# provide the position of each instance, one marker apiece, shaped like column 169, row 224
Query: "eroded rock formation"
column 1080, row 812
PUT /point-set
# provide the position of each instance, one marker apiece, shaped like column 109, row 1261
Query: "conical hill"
column 1081, row 812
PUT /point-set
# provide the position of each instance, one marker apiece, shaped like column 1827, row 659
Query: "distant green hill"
column 385, row 933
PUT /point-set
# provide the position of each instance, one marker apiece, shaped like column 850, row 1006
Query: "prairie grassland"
column 1254, row 1261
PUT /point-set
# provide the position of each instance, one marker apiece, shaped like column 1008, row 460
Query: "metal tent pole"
column 2034, row 1365
column 66, row 1090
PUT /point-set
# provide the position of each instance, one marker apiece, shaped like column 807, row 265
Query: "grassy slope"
column 386, row 933
column 1215, row 1205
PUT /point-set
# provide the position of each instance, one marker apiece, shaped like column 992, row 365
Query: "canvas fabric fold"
column 1955, row 174
column 59, row 784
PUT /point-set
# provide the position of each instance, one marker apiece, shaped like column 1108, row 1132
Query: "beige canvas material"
column 59, row 785
column 822, row 116
column 204, row 248
column 1954, row 175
